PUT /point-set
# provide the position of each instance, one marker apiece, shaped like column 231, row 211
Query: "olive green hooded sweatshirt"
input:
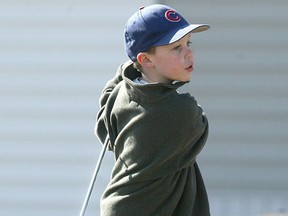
column 156, row 134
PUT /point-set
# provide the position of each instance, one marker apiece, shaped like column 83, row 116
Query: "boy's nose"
column 189, row 53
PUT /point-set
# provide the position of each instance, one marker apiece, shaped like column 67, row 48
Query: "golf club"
column 90, row 189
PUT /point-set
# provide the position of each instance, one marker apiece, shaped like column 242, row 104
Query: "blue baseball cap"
column 156, row 25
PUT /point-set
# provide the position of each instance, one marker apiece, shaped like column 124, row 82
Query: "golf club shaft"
column 90, row 189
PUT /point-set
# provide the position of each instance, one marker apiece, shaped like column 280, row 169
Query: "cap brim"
column 180, row 33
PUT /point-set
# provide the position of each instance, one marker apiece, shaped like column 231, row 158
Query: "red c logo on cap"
column 172, row 16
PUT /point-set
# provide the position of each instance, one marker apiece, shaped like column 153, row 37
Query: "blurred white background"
column 56, row 56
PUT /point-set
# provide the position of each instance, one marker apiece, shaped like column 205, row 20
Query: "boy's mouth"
column 190, row 68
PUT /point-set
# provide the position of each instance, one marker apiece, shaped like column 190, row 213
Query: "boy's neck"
column 146, row 79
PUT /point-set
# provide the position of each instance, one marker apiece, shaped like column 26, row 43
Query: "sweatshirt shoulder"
column 184, row 98
column 185, row 103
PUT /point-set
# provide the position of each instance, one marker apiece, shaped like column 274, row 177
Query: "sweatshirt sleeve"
column 100, row 127
column 110, row 85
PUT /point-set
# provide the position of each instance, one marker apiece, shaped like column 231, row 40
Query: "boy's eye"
column 177, row 47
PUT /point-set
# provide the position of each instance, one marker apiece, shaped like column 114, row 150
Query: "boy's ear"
column 144, row 60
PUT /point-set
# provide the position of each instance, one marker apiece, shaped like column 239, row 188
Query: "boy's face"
column 173, row 62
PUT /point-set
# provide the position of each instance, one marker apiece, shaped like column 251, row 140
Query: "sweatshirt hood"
column 149, row 91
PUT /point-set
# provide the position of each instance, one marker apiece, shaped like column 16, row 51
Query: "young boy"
column 154, row 131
